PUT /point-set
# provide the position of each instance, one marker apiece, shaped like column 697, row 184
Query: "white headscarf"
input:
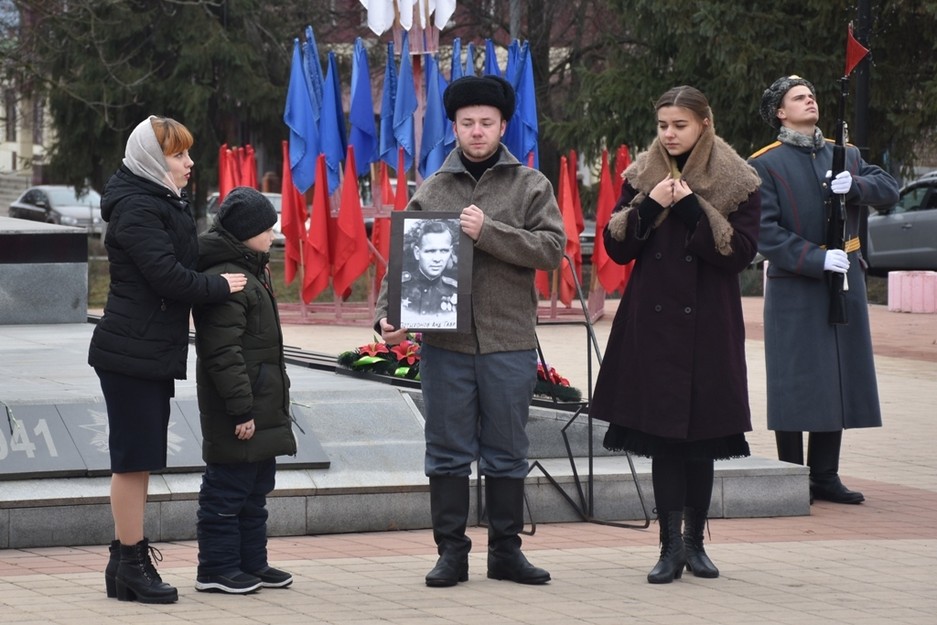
column 144, row 156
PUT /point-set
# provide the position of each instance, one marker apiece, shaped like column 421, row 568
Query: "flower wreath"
column 403, row 361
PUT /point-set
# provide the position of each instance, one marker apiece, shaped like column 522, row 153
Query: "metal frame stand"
column 585, row 507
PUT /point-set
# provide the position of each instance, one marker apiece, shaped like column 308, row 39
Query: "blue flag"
column 312, row 69
column 521, row 136
column 456, row 72
column 491, row 59
column 363, row 134
column 405, row 106
column 470, row 60
column 304, row 133
column 432, row 145
column 388, row 144
column 332, row 125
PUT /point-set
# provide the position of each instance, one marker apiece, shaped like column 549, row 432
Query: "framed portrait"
column 429, row 273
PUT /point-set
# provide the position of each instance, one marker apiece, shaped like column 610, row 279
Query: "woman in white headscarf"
column 140, row 345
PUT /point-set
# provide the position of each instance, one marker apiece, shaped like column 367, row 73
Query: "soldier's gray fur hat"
column 773, row 95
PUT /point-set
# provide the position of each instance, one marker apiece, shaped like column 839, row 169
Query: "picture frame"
column 429, row 272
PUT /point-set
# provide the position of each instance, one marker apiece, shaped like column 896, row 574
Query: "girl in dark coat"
column 243, row 399
column 673, row 384
column 140, row 345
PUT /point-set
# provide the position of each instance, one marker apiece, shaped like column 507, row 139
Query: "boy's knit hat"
column 246, row 212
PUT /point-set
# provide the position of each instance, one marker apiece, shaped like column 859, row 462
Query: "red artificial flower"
column 373, row 349
column 407, row 351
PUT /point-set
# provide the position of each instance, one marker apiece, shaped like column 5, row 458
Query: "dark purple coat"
column 675, row 361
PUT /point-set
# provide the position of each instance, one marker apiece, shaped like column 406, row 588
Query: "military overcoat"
column 820, row 377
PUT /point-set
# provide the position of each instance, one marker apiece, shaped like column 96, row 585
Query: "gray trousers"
column 477, row 407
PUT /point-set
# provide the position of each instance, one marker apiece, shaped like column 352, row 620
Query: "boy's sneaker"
column 273, row 578
column 237, row 583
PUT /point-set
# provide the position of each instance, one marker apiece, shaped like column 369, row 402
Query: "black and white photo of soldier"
column 428, row 282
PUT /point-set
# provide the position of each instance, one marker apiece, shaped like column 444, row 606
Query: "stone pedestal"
column 43, row 273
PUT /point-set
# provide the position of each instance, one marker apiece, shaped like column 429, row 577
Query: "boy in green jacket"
column 243, row 396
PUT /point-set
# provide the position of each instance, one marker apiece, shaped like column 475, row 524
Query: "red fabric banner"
column 350, row 254
column 612, row 276
column 567, row 285
column 293, row 217
column 855, row 51
column 316, row 259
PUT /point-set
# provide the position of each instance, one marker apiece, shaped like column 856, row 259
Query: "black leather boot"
column 137, row 579
column 504, row 498
column 110, row 571
column 672, row 552
column 697, row 562
column 790, row 446
column 823, row 457
column 449, row 506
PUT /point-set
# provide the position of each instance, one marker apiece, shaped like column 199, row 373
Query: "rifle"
column 836, row 215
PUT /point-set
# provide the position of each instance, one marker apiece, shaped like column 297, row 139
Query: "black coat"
column 152, row 248
column 241, row 371
column 675, row 363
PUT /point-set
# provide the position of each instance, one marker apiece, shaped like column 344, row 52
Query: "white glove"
column 841, row 184
column 836, row 260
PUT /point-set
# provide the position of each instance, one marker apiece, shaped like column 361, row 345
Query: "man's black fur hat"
column 487, row 90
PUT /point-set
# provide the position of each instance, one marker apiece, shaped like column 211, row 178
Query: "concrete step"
column 372, row 434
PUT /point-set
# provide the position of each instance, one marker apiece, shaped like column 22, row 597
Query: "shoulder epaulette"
column 767, row 148
column 828, row 140
column 450, row 281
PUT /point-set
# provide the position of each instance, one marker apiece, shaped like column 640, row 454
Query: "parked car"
column 904, row 236
column 60, row 204
column 211, row 213
column 587, row 240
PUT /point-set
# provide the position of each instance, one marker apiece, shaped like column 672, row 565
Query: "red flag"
column 577, row 208
column 249, row 168
column 350, row 254
column 610, row 274
column 574, row 190
column 403, row 195
column 293, row 219
column 225, row 181
column 855, row 51
column 316, row 259
column 380, row 230
column 567, row 285
column 622, row 160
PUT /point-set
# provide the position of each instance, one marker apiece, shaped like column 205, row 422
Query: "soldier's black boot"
column 504, row 498
column 137, row 579
column 790, row 446
column 110, row 571
column 449, row 506
column 672, row 552
column 823, row 457
column 697, row 562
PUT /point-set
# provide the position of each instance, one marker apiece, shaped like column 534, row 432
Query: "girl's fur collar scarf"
column 718, row 176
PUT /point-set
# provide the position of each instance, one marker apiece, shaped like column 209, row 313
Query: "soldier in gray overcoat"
column 821, row 377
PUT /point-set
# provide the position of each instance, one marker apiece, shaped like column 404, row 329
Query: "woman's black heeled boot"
column 672, row 552
column 697, row 562
column 110, row 571
column 137, row 579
